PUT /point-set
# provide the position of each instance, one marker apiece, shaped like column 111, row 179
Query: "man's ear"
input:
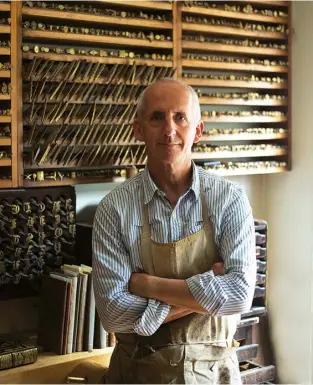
column 199, row 131
column 138, row 131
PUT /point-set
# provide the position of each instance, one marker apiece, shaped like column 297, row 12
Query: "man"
column 160, row 243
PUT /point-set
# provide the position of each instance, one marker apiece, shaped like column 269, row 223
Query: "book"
column 71, row 310
column 89, row 327
column 13, row 353
column 81, row 313
column 52, row 312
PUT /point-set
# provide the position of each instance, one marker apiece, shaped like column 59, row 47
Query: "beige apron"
column 196, row 349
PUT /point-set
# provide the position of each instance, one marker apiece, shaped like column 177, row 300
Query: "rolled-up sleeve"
column 119, row 310
column 232, row 292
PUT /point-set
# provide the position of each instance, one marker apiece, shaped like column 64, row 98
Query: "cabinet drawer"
column 247, row 352
column 252, row 373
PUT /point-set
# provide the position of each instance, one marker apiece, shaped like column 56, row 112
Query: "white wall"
column 289, row 211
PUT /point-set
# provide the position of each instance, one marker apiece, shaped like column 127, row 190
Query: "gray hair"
column 194, row 97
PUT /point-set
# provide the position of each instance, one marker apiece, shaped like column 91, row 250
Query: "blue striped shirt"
column 116, row 248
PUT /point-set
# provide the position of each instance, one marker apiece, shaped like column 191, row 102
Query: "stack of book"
column 68, row 321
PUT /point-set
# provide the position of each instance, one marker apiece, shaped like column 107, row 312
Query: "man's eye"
column 157, row 117
column 181, row 118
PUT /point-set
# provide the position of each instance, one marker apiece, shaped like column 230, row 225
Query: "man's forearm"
column 176, row 313
column 172, row 291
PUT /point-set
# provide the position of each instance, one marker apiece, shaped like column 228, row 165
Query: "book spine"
column 15, row 359
column 89, row 327
column 72, row 317
column 82, row 307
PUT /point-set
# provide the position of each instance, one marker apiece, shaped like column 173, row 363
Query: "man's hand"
column 218, row 268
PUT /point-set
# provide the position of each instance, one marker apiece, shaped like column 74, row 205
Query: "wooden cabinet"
column 78, row 70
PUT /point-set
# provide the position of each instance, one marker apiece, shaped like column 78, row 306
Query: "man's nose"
column 169, row 126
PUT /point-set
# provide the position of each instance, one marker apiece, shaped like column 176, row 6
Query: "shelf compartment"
column 71, row 37
column 5, row 141
column 234, row 15
column 51, row 14
column 242, row 137
column 5, row 162
column 235, row 84
column 245, row 119
column 217, row 30
column 201, row 64
column 241, row 102
column 215, row 47
column 5, row 29
column 236, row 154
column 97, row 59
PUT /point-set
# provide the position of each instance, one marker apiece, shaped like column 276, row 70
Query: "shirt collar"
column 150, row 188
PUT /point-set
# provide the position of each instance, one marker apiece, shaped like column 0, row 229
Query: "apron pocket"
column 163, row 366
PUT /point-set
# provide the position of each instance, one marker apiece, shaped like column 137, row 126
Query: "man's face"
column 168, row 123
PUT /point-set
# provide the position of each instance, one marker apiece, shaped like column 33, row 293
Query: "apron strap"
column 146, row 232
column 205, row 216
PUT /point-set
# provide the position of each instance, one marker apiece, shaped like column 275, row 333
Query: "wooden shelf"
column 187, row 63
column 75, row 16
column 39, row 122
column 5, row 97
column 235, row 84
column 244, row 119
column 42, row 370
column 241, row 137
column 237, row 49
column 73, row 181
column 5, row 29
column 100, row 80
column 97, row 59
column 154, row 5
column 5, row 183
column 5, row 7
column 237, row 154
column 71, row 37
column 242, row 102
column 5, row 141
column 99, row 102
column 272, row 170
column 5, row 119
column 5, row 162
column 5, row 51
column 218, row 30
column 267, row 2
column 5, row 74
column 234, row 15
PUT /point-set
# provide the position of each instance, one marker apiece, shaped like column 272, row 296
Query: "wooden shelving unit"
column 253, row 58
column 8, row 130
column 100, row 63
